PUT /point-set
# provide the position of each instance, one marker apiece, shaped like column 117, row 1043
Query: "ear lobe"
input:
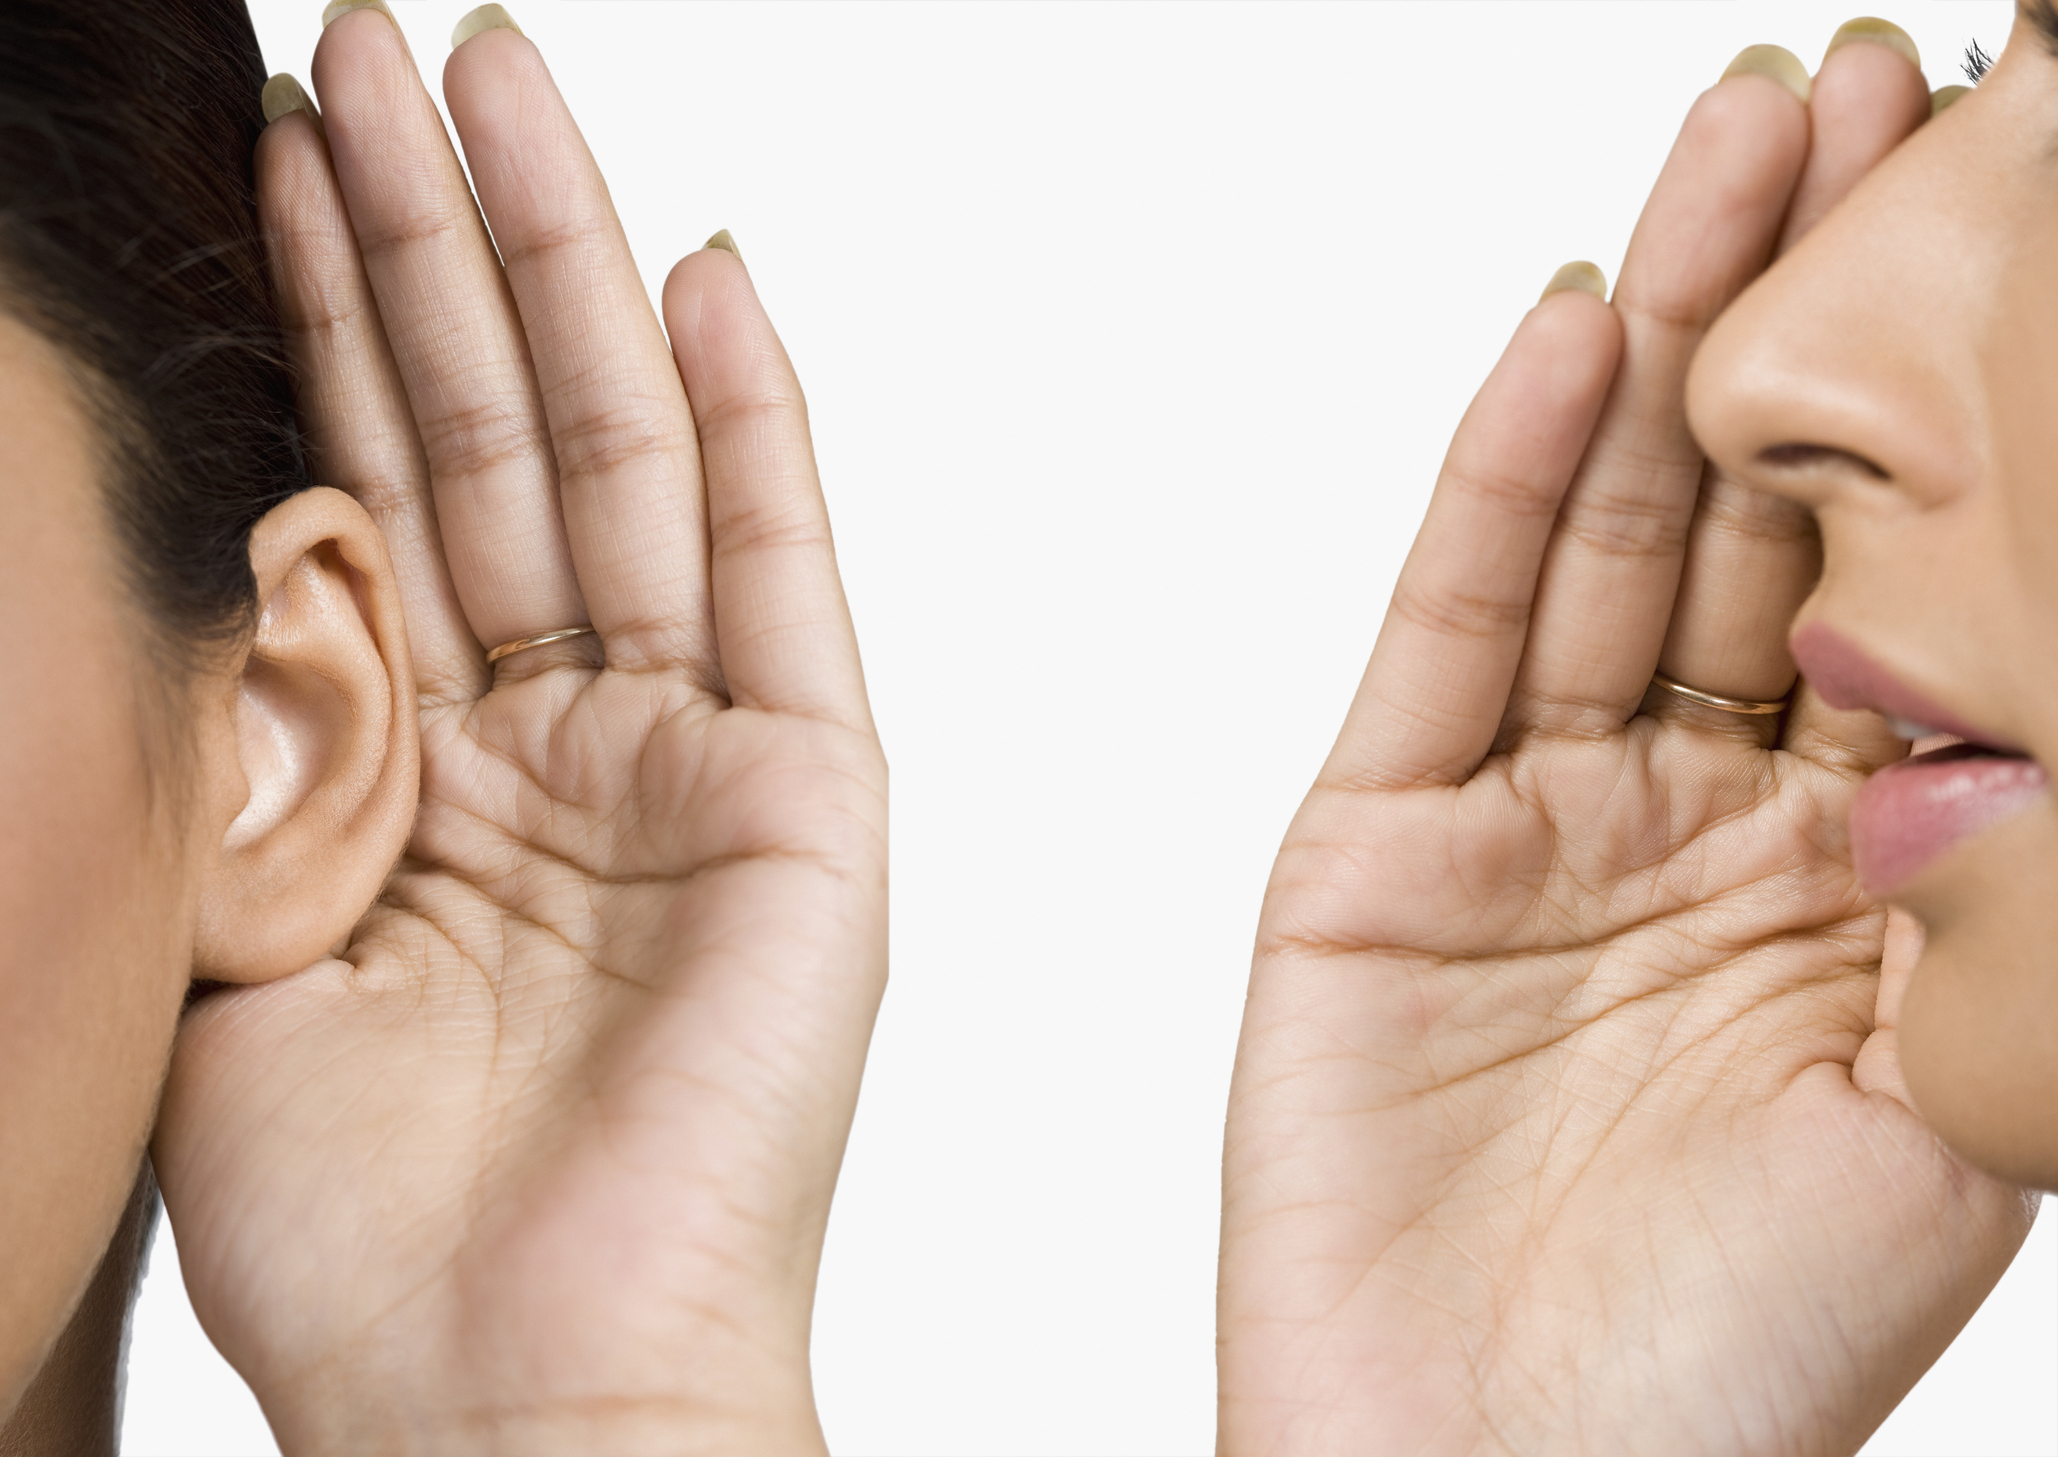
column 314, row 775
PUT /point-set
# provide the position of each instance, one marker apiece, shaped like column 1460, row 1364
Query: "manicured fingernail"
column 485, row 18
column 1878, row 32
column 335, row 10
column 1943, row 96
column 726, row 243
column 1775, row 63
column 282, row 94
column 1582, row 276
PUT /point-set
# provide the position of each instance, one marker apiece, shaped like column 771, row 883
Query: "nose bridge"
column 1865, row 339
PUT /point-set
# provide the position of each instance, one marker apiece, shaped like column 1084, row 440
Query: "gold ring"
column 522, row 644
column 1716, row 700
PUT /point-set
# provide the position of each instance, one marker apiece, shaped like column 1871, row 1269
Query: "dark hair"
column 128, row 239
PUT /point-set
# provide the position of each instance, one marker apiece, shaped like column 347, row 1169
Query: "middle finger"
column 1612, row 569
column 455, row 331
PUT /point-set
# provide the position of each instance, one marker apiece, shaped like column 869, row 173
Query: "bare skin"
column 73, row 1407
column 1894, row 377
column 543, row 1157
column 80, row 1054
column 134, row 853
column 1568, row 1114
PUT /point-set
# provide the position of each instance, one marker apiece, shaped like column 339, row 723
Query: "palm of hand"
column 502, row 1050
column 1604, row 1092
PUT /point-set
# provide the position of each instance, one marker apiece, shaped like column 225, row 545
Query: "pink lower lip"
column 1911, row 812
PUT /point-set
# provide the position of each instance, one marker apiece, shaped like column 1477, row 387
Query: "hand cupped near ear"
column 312, row 754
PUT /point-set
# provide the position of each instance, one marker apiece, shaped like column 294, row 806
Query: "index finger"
column 1433, row 698
column 348, row 391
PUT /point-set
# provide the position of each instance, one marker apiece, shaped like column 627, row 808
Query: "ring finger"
column 1752, row 557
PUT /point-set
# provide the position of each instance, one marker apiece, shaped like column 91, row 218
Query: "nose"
column 1853, row 362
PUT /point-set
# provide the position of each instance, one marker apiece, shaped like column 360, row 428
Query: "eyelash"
column 1976, row 62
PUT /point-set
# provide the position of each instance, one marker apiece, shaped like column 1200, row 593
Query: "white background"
column 1133, row 336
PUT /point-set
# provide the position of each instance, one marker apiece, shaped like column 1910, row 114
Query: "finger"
column 1752, row 557
column 1897, row 960
column 456, row 336
column 781, row 621
column 628, row 463
column 1434, row 695
column 1613, row 568
column 1866, row 100
column 1751, row 560
column 351, row 403
column 1878, row 1065
column 1853, row 741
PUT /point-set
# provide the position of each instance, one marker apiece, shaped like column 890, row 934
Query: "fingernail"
column 1775, row 63
column 335, row 10
column 485, row 18
column 1943, row 96
column 1582, row 276
column 1879, row 32
column 282, row 94
column 726, row 243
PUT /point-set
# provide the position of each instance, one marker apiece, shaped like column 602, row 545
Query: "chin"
column 1979, row 1026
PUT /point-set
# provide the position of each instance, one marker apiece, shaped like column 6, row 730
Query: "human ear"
column 313, row 753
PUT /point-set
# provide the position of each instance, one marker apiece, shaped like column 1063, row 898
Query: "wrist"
column 771, row 1417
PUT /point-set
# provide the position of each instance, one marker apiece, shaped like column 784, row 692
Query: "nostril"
column 1817, row 457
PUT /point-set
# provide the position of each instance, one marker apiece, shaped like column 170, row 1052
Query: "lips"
column 1911, row 812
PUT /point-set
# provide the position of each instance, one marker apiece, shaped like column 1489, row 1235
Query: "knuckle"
column 779, row 525
column 541, row 244
column 1451, row 612
column 1682, row 311
column 758, row 412
column 480, row 437
column 611, row 439
column 1732, row 508
column 321, row 306
column 1508, row 491
column 1625, row 524
column 430, row 225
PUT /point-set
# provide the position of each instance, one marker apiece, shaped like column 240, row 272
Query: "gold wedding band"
column 1716, row 700
column 522, row 644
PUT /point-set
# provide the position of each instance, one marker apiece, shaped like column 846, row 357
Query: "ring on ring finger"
column 523, row 644
column 1753, row 706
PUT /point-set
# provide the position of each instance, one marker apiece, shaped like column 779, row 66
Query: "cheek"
column 92, row 970
column 2021, row 380
column 1979, row 1028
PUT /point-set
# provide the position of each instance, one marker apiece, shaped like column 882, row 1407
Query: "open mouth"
column 1911, row 812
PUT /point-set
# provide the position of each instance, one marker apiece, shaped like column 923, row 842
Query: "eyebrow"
column 2043, row 14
